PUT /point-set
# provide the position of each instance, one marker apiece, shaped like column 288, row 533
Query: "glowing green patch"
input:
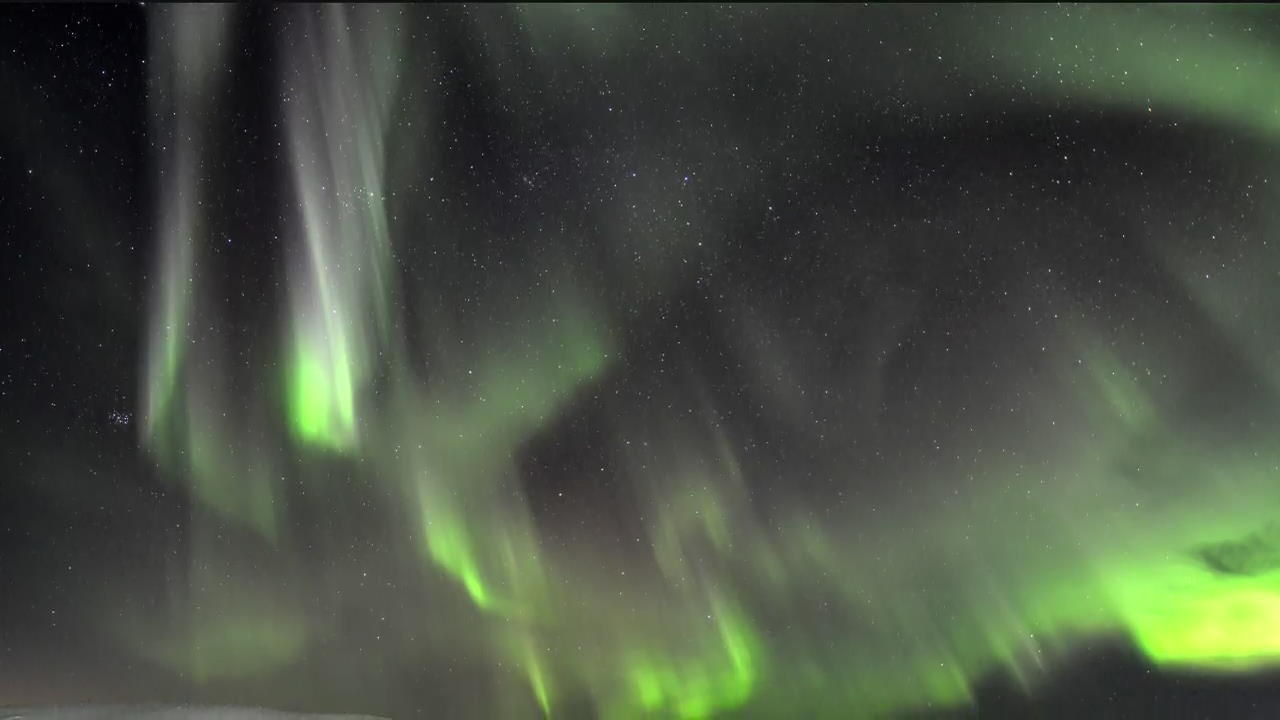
column 1206, row 620
column 321, row 402
column 698, row 687
column 450, row 546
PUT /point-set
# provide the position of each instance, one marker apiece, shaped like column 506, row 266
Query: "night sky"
column 641, row 361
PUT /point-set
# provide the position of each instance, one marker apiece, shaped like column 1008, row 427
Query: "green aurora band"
column 718, row 605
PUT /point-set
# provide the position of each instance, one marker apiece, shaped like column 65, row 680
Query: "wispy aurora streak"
column 1128, row 523
column 337, row 116
column 187, row 402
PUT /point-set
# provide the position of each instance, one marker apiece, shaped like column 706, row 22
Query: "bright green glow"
column 310, row 393
column 1203, row 621
column 449, row 544
column 1217, row 607
column 696, row 689
column 320, row 396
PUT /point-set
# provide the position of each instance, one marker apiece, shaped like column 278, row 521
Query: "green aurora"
column 1131, row 524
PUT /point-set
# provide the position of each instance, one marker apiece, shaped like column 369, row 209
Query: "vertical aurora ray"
column 181, row 79
column 340, row 287
column 184, row 393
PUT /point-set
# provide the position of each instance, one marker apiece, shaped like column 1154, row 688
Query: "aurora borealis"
column 642, row 361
